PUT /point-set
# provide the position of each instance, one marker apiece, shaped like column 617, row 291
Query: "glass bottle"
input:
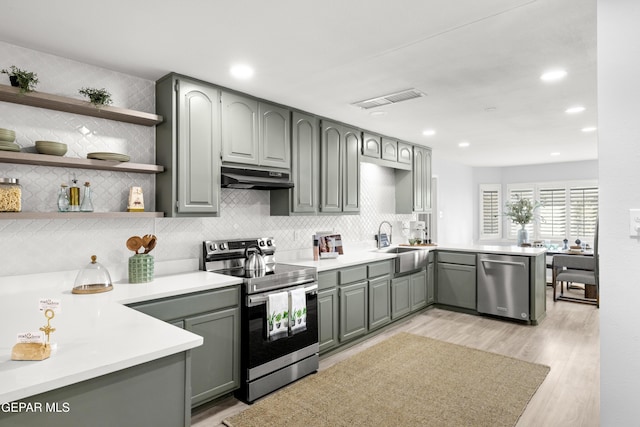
column 74, row 196
column 63, row 199
column 87, row 204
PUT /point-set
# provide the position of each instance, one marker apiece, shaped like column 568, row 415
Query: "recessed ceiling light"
column 428, row 132
column 574, row 110
column 589, row 129
column 464, row 144
column 490, row 109
column 553, row 75
column 555, row 154
column 378, row 113
column 241, row 71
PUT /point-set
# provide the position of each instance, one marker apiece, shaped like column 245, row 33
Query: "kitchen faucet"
column 390, row 232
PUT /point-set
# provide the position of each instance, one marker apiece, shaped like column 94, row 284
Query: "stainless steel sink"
column 408, row 259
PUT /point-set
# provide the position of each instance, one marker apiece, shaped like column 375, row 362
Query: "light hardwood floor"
column 567, row 340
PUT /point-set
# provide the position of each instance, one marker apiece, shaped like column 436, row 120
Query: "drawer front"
column 352, row 274
column 327, row 279
column 457, row 258
column 379, row 269
column 191, row 304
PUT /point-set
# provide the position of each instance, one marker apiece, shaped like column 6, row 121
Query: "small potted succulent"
column 23, row 79
column 98, row 97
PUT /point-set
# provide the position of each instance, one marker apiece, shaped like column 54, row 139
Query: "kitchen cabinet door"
column 274, row 138
column 405, row 153
column 431, row 285
column 331, row 158
column 389, row 149
column 327, row 319
column 421, row 179
column 371, row 146
column 418, row 290
column 456, row 285
column 305, row 163
column 353, row 310
column 400, row 297
column 239, row 129
column 351, row 171
column 379, row 302
column 188, row 141
column 198, row 148
column 215, row 366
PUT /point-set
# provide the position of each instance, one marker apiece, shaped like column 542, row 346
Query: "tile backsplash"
column 36, row 246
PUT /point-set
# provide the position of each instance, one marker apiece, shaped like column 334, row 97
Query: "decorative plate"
column 109, row 156
column 14, row 147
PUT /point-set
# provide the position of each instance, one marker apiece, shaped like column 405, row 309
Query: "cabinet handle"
column 517, row 264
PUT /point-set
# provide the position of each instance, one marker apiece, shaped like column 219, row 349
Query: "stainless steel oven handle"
column 253, row 300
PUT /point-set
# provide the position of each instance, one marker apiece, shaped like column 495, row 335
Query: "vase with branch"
column 522, row 211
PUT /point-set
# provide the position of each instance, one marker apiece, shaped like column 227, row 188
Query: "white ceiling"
column 467, row 55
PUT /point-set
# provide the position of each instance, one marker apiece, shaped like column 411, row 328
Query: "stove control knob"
column 269, row 243
column 261, row 243
column 223, row 246
column 213, row 246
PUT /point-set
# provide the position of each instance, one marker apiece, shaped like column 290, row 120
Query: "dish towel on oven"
column 297, row 310
column 277, row 315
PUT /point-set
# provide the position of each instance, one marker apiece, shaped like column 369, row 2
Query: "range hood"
column 254, row 179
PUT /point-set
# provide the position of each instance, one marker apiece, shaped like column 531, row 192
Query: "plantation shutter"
column 490, row 223
column 553, row 213
column 514, row 194
column 584, row 212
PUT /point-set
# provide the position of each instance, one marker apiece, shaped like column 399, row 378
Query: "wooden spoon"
column 146, row 239
column 150, row 245
column 134, row 243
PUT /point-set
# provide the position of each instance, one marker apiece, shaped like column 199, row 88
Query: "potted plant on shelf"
column 98, row 97
column 23, row 79
column 522, row 211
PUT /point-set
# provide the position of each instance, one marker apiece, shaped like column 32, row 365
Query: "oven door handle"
column 253, row 300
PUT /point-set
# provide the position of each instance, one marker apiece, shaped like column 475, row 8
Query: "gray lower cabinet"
column 353, row 310
column 150, row 394
column 305, row 164
column 215, row 316
column 328, row 319
column 456, row 285
column 339, row 169
column 418, row 290
column 431, row 284
column 379, row 301
column 400, row 296
column 188, row 143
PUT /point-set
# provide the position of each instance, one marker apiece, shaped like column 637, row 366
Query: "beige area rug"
column 406, row 380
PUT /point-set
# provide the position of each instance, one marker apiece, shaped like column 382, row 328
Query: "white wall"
column 455, row 202
column 619, row 157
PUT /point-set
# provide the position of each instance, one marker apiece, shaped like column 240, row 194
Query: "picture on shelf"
column 329, row 245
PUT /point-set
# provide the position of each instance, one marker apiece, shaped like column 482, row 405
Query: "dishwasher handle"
column 515, row 264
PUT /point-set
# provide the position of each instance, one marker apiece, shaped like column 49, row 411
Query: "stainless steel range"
column 279, row 327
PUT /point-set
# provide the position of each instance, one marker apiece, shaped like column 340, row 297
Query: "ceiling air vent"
column 392, row 98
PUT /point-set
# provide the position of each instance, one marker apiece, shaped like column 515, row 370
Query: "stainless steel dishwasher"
column 503, row 285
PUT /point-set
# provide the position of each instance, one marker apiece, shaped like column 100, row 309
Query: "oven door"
column 259, row 351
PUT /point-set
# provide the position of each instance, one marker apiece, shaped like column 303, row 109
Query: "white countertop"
column 494, row 249
column 95, row 334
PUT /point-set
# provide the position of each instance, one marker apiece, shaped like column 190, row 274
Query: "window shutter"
column 584, row 212
column 553, row 213
column 490, row 212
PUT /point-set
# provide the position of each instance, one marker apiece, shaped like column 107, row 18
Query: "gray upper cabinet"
column 405, row 153
column 189, row 143
column 255, row 133
column 239, row 129
column 274, row 142
column 389, row 149
column 305, row 164
column 421, row 179
column 371, row 145
column 339, row 169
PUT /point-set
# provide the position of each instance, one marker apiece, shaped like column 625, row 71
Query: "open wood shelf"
column 76, row 106
column 72, row 162
column 78, row 215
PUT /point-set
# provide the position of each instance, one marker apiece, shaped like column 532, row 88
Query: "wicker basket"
column 140, row 268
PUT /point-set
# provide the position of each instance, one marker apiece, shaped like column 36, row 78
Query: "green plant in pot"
column 25, row 80
column 98, row 97
column 522, row 211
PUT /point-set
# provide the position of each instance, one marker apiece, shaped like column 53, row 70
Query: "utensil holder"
column 140, row 268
